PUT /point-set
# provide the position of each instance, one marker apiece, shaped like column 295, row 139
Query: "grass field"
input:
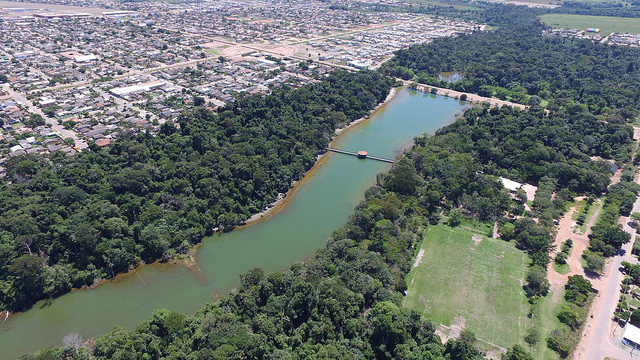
column 478, row 279
column 544, row 319
column 606, row 24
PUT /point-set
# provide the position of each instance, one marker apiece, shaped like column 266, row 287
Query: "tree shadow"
column 46, row 303
column 591, row 274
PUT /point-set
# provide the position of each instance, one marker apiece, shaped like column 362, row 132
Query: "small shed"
column 631, row 336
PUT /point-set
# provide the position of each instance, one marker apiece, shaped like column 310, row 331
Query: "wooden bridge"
column 360, row 154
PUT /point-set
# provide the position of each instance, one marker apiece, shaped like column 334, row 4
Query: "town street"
column 65, row 133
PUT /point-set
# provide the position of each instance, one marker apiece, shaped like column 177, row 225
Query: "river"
column 321, row 203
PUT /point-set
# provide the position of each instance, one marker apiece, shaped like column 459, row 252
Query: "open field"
column 544, row 319
column 468, row 279
column 606, row 24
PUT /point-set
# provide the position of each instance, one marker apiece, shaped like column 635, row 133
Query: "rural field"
column 466, row 279
column 606, row 24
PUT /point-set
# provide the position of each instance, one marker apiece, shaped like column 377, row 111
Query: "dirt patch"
column 419, row 258
column 477, row 239
column 530, row 190
column 283, row 50
column 453, row 331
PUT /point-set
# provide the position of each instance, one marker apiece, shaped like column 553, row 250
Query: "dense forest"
column 151, row 197
column 66, row 222
column 630, row 8
column 345, row 301
column 527, row 67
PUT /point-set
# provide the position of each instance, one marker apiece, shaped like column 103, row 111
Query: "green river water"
column 321, row 203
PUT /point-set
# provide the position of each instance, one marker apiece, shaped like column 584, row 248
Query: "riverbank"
column 190, row 260
column 283, row 200
column 392, row 93
column 473, row 98
column 322, row 203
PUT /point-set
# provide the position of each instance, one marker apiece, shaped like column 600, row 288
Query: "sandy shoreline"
column 472, row 98
column 283, row 199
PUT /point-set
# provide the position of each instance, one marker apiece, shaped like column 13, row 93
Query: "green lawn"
column 545, row 320
column 564, row 268
column 596, row 207
column 606, row 24
column 481, row 282
column 561, row 269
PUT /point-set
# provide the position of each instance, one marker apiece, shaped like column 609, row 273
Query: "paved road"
column 596, row 343
column 597, row 338
column 65, row 133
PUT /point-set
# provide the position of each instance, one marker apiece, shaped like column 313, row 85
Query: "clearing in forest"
column 606, row 24
column 481, row 282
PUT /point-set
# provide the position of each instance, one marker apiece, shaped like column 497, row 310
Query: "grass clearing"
column 561, row 269
column 606, row 24
column 596, row 207
column 545, row 320
column 217, row 50
column 579, row 208
column 465, row 273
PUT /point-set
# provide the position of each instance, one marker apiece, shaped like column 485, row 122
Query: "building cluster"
column 23, row 133
column 77, row 72
column 622, row 39
column 370, row 48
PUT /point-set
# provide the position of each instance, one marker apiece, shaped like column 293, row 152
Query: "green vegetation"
column 606, row 236
column 543, row 320
column 522, row 64
column 613, row 8
column 606, row 24
column 149, row 197
column 562, row 269
column 572, row 314
column 591, row 211
column 466, row 274
column 559, row 262
column 344, row 301
column 67, row 222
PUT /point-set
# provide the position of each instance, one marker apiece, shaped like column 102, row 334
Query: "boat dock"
column 360, row 154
